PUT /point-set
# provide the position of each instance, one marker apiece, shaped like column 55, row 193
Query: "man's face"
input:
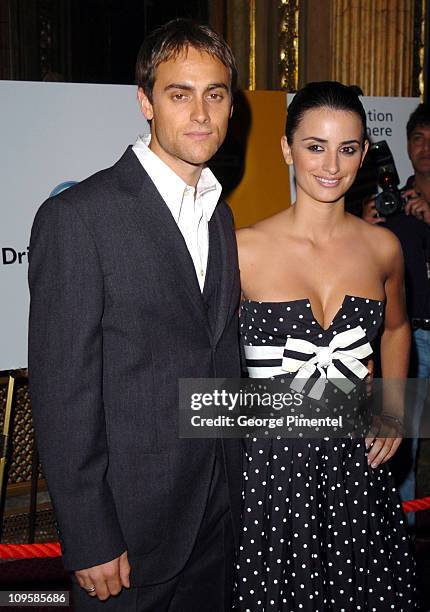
column 419, row 149
column 190, row 109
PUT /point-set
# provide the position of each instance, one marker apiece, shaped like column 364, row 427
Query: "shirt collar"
column 171, row 187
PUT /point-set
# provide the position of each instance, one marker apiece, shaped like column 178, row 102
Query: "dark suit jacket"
column 116, row 318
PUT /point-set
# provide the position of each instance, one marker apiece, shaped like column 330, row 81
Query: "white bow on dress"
column 322, row 358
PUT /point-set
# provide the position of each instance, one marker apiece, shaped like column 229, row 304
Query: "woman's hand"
column 383, row 440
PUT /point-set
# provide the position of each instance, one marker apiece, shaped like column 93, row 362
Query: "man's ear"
column 145, row 104
column 286, row 151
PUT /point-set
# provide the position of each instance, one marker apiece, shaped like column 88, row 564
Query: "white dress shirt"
column 191, row 207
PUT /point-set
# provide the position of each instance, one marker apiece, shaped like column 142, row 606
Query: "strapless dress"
column 321, row 530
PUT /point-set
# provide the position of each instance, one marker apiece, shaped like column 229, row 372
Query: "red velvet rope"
column 52, row 549
column 413, row 505
column 29, row 551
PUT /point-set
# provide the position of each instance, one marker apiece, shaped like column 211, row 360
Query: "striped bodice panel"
column 279, row 337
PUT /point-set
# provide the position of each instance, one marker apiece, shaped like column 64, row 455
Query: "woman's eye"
column 348, row 150
column 315, row 148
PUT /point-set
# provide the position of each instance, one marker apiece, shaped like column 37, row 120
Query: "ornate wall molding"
column 419, row 57
column 289, row 44
column 251, row 27
column 378, row 45
column 252, row 45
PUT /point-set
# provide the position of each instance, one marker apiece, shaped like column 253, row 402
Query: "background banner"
column 52, row 133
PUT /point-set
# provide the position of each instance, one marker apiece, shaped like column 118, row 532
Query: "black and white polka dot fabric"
column 322, row 531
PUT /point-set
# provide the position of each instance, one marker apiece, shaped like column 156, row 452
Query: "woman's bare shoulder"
column 250, row 242
column 261, row 230
column 379, row 240
column 255, row 242
column 381, row 236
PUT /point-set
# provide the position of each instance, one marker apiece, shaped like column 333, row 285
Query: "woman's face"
column 326, row 152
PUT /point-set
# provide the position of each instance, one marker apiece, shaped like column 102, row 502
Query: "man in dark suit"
column 134, row 284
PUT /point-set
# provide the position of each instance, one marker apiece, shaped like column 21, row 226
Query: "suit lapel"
column 155, row 221
column 229, row 274
column 156, row 224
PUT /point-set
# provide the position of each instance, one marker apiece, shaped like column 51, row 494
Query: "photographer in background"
column 411, row 224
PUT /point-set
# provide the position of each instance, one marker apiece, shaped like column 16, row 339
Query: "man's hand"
column 417, row 205
column 107, row 578
column 370, row 214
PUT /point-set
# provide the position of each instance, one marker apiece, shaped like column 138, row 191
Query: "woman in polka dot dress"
column 323, row 528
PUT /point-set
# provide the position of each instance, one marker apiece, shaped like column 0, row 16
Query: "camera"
column 390, row 201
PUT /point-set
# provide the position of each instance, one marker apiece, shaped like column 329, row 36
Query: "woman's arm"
column 244, row 248
column 396, row 338
column 395, row 349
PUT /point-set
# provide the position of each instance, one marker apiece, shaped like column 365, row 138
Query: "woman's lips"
column 328, row 182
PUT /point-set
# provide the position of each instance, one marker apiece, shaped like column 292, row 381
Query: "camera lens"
column 387, row 203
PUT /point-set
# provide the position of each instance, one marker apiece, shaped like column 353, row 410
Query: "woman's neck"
column 318, row 221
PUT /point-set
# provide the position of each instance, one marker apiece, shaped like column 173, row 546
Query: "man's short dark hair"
column 174, row 38
column 420, row 117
